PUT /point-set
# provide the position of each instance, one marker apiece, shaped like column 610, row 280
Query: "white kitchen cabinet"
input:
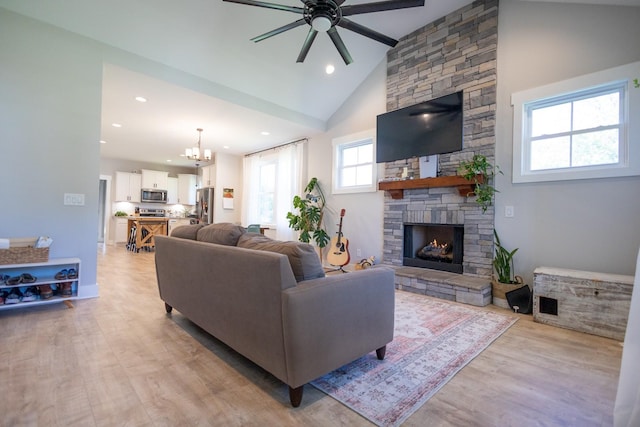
column 59, row 289
column 187, row 189
column 208, row 176
column 128, row 187
column 155, row 180
column 122, row 233
column 177, row 222
column 172, row 191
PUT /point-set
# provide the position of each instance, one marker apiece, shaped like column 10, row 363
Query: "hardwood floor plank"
column 121, row 360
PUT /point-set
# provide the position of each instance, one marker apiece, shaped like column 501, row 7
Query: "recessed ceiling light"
column 264, row 132
column 226, row 147
column 116, row 125
column 102, row 141
column 168, row 160
column 141, row 99
column 330, row 69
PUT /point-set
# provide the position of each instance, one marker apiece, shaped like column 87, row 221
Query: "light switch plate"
column 74, row 199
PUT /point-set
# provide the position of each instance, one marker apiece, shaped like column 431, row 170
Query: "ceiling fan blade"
column 278, row 30
column 367, row 32
column 342, row 49
column 268, row 5
column 379, row 6
column 311, row 36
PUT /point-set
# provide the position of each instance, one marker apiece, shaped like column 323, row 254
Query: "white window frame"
column 629, row 145
column 349, row 141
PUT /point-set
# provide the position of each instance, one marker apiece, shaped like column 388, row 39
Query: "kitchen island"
column 142, row 231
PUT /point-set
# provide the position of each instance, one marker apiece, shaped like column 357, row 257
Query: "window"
column 354, row 166
column 266, row 193
column 270, row 181
column 577, row 129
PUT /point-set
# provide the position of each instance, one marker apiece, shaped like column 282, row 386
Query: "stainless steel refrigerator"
column 204, row 207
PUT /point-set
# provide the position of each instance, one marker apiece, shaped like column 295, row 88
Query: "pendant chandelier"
column 195, row 153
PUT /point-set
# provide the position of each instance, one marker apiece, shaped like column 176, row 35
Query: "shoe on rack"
column 73, row 274
column 14, row 296
column 3, row 295
column 65, row 289
column 27, row 278
column 12, row 281
column 4, row 278
column 62, row 274
column 45, row 291
column 31, row 294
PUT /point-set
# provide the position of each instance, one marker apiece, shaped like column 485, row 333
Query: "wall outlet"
column 509, row 211
column 358, row 252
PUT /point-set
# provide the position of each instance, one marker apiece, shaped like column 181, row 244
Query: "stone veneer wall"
column 456, row 52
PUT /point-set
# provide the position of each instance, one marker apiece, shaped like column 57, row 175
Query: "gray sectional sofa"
column 271, row 301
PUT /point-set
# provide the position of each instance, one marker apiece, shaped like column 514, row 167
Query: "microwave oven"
column 153, row 196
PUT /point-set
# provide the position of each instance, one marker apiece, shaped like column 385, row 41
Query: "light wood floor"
column 120, row 360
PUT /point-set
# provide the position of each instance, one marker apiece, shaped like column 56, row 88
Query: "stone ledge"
column 441, row 284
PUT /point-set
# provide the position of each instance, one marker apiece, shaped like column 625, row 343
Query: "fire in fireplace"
column 436, row 246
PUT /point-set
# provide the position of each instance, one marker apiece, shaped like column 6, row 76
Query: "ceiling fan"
column 325, row 15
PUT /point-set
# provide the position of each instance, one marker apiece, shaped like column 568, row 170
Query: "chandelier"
column 195, row 152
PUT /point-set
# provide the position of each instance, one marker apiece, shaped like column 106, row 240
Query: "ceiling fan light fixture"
column 321, row 24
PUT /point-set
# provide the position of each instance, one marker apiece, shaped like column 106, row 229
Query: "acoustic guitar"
column 339, row 248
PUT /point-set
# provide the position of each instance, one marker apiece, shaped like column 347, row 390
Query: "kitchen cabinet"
column 128, row 187
column 156, row 180
column 187, row 189
column 49, row 284
column 172, row 191
column 177, row 222
column 208, row 176
column 122, row 232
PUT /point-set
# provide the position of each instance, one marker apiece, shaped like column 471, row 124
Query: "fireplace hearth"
column 435, row 246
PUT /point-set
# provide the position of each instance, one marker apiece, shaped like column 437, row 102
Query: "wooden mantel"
column 396, row 188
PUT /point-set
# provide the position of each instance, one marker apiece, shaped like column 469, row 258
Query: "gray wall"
column 50, row 93
column 590, row 224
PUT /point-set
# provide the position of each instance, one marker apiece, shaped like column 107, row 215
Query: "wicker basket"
column 21, row 251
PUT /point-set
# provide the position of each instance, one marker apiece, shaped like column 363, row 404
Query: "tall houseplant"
column 481, row 172
column 505, row 279
column 308, row 220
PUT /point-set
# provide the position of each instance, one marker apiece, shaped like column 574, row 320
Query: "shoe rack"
column 52, row 275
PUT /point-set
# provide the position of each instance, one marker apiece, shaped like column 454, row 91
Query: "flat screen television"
column 424, row 129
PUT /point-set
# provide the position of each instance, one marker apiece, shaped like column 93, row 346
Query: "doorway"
column 104, row 191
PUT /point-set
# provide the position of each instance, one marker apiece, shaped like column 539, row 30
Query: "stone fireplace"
column 436, row 246
column 456, row 52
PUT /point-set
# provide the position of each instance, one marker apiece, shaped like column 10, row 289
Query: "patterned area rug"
column 433, row 340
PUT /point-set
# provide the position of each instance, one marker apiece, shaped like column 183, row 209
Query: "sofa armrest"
column 334, row 320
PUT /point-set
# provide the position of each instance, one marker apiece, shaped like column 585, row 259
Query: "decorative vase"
column 499, row 289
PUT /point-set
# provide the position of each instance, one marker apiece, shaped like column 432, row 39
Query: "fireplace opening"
column 436, row 246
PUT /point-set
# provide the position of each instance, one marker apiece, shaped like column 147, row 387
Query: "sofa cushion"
column 187, row 231
column 223, row 233
column 303, row 258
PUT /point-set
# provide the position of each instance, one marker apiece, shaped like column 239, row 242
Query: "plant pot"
column 499, row 289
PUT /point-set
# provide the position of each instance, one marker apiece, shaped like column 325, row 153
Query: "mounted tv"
column 431, row 127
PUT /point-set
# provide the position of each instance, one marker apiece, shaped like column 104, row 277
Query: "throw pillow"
column 223, row 233
column 303, row 258
column 187, row 231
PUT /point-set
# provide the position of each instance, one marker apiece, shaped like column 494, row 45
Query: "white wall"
column 228, row 175
column 363, row 220
column 50, row 100
column 586, row 224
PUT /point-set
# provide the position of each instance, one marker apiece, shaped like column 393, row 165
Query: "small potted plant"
column 505, row 279
column 308, row 220
column 481, row 173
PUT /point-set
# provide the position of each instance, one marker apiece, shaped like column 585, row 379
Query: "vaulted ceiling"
column 254, row 87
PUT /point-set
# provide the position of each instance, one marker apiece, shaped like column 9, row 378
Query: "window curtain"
column 627, row 407
column 288, row 184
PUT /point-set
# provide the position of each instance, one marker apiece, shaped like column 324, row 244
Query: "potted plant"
column 505, row 279
column 481, row 172
column 308, row 220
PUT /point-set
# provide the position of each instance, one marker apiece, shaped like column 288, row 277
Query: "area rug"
column 433, row 340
